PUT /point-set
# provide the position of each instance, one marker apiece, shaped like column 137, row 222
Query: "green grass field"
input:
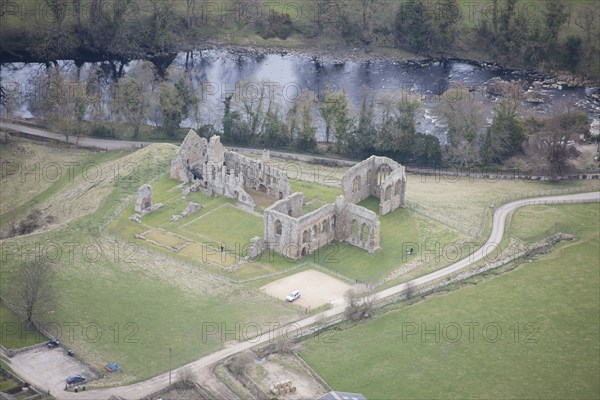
column 14, row 334
column 547, row 311
column 130, row 303
column 400, row 230
column 228, row 224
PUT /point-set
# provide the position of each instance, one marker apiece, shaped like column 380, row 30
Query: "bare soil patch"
column 260, row 198
column 316, row 288
column 278, row 368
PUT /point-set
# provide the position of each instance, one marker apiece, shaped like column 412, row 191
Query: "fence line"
column 495, row 203
column 511, row 174
column 312, row 372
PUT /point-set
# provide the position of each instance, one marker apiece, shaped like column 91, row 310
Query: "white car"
column 295, row 295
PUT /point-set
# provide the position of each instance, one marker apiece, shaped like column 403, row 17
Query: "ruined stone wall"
column 258, row 175
column 341, row 221
column 316, row 229
column 357, row 225
column 290, row 205
column 297, row 237
column 357, row 182
column 216, row 151
column 281, row 233
column 393, row 192
column 192, row 152
column 374, row 177
column 215, row 170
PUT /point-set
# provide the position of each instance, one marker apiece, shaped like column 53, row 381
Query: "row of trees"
column 391, row 131
column 538, row 34
column 474, row 141
column 516, row 32
column 477, row 135
column 93, row 105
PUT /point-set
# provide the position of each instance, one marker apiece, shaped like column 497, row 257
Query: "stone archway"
column 354, row 230
column 382, row 173
column 364, row 233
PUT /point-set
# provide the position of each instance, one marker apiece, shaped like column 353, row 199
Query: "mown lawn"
column 529, row 333
column 229, row 225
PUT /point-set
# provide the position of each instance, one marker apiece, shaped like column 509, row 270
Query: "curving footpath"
column 200, row 366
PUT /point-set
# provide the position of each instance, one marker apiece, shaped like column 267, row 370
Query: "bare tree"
column 283, row 345
column 237, row 365
column 551, row 142
column 466, row 120
column 33, row 290
column 587, row 20
column 359, row 304
column 186, row 377
column 410, row 290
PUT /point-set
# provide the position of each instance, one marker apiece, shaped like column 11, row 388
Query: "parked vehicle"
column 295, row 295
column 53, row 344
column 74, row 379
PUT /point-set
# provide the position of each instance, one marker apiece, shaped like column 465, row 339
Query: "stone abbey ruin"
column 212, row 169
column 208, row 167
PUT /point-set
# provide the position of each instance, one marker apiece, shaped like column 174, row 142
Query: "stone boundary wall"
column 43, row 331
column 253, row 387
column 37, row 392
column 586, row 174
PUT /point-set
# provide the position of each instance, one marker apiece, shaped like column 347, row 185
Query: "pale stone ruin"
column 143, row 203
column 380, row 177
column 294, row 235
column 256, row 247
column 212, row 169
column 188, row 210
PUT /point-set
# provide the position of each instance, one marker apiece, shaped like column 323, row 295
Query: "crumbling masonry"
column 214, row 170
column 380, row 177
column 294, row 235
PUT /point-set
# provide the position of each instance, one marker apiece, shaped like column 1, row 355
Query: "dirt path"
column 207, row 379
column 85, row 142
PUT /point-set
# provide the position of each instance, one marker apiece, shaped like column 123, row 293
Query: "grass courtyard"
column 528, row 333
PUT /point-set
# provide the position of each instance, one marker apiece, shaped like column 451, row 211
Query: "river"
column 216, row 73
